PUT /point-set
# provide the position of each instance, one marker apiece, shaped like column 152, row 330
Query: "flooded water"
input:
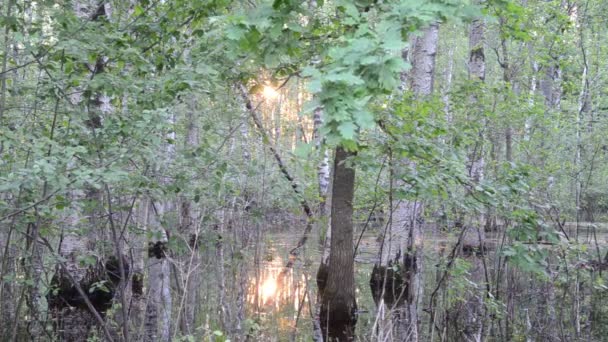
column 269, row 290
column 287, row 302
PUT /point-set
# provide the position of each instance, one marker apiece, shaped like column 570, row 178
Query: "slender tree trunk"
column 189, row 229
column 532, row 93
column 7, row 289
column 338, row 302
column 158, row 310
column 223, row 307
column 477, row 72
column 421, row 78
column 323, row 167
column 318, row 334
column 391, row 277
column 138, row 261
column 5, row 56
column 507, row 78
column 323, row 180
column 159, row 302
column 550, row 85
column 7, row 252
column 469, row 316
column 399, row 293
column 73, row 322
column 449, row 74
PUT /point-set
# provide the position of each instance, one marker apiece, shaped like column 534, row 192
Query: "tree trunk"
column 138, row 260
column 323, row 167
column 7, row 252
column 189, row 230
column 468, row 316
column 323, row 179
column 73, row 317
column 423, row 54
column 507, row 78
column 550, row 85
column 158, row 310
column 337, row 287
column 422, row 76
column 396, row 281
column 392, row 276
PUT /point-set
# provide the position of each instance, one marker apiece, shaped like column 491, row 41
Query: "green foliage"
column 162, row 66
column 366, row 63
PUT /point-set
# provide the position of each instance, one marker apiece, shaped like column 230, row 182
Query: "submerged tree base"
column 338, row 317
column 387, row 283
column 72, row 316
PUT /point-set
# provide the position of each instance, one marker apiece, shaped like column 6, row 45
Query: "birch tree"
column 159, row 301
column 469, row 316
column 397, row 279
column 421, row 82
column 75, row 311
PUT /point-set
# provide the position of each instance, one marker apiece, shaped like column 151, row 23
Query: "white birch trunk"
column 159, row 301
column 189, row 227
column 397, row 278
column 138, row 264
column 326, row 249
column 323, row 167
column 73, row 322
column 81, row 229
column 477, row 72
column 158, row 309
column 422, row 75
column 470, row 315
column 532, row 94
column 448, row 85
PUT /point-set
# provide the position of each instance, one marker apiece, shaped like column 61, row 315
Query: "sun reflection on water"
column 270, row 93
column 268, row 289
column 275, row 292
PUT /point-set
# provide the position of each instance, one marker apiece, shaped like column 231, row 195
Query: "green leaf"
column 315, row 86
column 303, row 150
column 365, row 120
column 138, row 10
column 344, row 77
column 347, row 130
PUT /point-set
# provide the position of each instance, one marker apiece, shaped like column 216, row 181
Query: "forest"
column 318, row 170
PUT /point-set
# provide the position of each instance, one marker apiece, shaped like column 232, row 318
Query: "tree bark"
column 391, row 278
column 422, row 77
column 337, row 286
column 189, row 230
column 507, row 78
column 7, row 252
column 396, row 281
column 323, row 179
column 424, row 50
column 138, row 260
column 73, row 320
column 468, row 316
column 323, row 167
column 158, row 310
